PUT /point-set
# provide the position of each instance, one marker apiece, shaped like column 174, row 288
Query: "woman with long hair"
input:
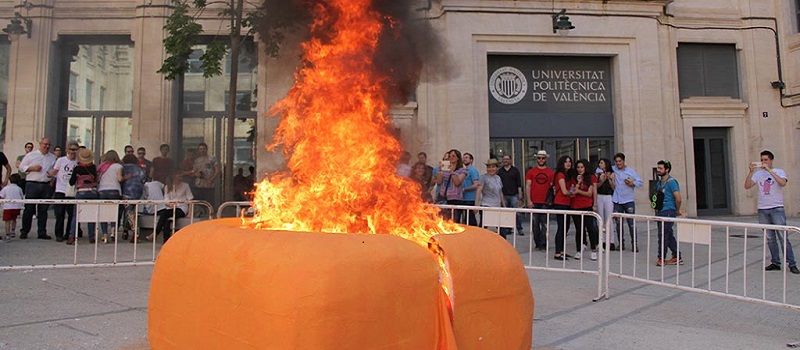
column 451, row 179
column 565, row 188
column 175, row 190
column 108, row 187
column 583, row 200
column 604, row 205
column 424, row 182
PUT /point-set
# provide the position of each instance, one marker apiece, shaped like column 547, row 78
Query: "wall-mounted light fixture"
column 561, row 22
column 19, row 24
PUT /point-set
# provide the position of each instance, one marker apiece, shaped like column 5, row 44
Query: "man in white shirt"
column 624, row 200
column 770, row 183
column 36, row 165
column 62, row 170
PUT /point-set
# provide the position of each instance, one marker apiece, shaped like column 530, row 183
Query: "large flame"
column 334, row 132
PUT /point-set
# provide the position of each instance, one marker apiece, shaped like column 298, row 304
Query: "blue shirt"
column 669, row 189
column 624, row 193
column 472, row 175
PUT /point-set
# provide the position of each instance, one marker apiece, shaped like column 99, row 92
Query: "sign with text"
column 549, row 84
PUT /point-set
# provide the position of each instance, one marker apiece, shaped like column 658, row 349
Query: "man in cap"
column 538, row 181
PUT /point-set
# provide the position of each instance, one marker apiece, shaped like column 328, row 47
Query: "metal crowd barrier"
column 100, row 211
column 720, row 258
column 240, row 208
column 523, row 241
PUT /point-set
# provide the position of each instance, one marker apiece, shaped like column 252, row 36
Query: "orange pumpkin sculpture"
column 218, row 286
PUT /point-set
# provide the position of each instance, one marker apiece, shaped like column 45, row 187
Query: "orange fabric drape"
column 216, row 285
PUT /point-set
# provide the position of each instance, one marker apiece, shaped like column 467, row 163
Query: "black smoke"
column 407, row 46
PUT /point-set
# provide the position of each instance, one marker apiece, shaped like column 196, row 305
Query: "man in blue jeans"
column 671, row 207
column 626, row 180
column 771, row 182
column 512, row 190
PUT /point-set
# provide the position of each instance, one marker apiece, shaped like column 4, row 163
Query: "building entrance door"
column 710, row 171
column 523, row 150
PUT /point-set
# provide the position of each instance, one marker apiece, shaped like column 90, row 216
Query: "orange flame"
column 334, row 132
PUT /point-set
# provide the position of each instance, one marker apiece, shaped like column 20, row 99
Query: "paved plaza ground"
column 106, row 308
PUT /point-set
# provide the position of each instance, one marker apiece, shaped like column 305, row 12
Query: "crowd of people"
column 70, row 172
column 604, row 188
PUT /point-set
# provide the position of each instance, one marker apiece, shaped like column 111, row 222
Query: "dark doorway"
column 711, row 171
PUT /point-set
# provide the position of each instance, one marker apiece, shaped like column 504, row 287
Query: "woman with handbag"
column 84, row 178
column 451, row 176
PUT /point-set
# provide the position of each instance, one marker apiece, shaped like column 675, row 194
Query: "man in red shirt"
column 538, row 181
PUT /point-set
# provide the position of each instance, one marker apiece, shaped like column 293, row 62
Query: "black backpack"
column 657, row 197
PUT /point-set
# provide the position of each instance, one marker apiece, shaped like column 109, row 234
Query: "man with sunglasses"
column 37, row 165
column 62, row 171
column 538, row 181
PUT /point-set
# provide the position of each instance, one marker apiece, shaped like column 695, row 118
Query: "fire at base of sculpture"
column 218, row 286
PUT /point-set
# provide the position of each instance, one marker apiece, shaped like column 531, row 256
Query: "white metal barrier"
column 241, row 207
column 92, row 255
column 524, row 240
column 726, row 259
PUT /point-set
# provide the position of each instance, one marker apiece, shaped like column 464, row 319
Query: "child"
column 11, row 210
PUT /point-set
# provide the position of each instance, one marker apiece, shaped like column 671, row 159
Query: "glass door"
column 523, row 151
column 100, row 133
column 577, row 148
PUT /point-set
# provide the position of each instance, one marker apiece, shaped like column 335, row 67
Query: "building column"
column 153, row 96
column 29, row 117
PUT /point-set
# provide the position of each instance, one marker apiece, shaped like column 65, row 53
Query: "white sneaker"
column 578, row 256
column 593, row 257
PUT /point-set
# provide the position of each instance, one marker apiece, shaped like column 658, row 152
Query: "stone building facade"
column 706, row 84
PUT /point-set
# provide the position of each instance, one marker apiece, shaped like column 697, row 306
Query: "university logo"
column 508, row 85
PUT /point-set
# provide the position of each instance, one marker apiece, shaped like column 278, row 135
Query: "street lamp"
column 561, row 22
column 19, row 25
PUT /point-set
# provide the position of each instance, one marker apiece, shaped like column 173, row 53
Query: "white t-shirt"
column 108, row 181
column 181, row 193
column 770, row 193
column 404, row 170
column 12, row 191
column 153, row 190
column 64, row 167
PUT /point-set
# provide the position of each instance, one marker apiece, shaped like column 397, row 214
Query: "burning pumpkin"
column 218, row 286
column 342, row 253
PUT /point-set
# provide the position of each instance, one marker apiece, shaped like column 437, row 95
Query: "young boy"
column 11, row 210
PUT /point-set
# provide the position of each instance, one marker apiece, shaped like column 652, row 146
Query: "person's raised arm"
column 748, row 181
